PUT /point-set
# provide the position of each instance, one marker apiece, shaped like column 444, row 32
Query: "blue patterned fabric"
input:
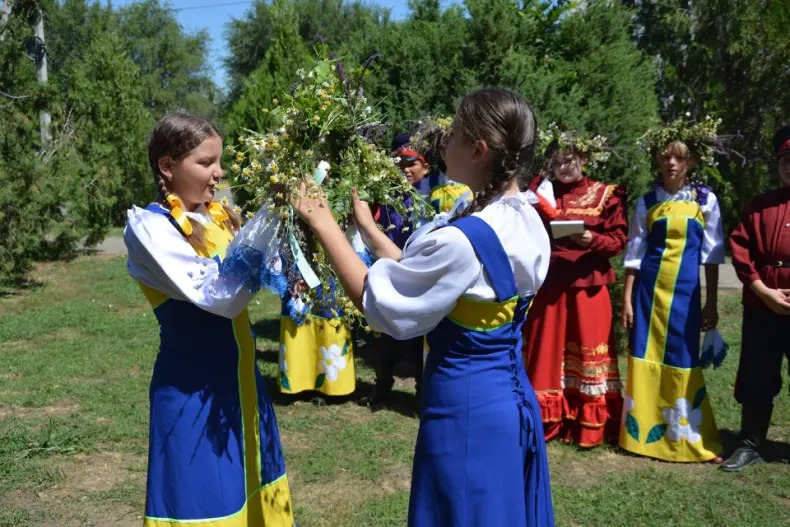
column 480, row 457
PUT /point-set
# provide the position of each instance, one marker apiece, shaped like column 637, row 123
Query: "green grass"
column 76, row 352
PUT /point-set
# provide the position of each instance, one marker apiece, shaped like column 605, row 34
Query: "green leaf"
column 632, row 426
column 319, row 381
column 656, row 433
column 284, row 382
column 699, row 398
column 345, row 349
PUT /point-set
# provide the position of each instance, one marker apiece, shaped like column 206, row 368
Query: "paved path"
column 727, row 278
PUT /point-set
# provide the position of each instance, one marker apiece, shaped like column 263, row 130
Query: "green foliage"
column 726, row 58
column 325, row 123
column 111, row 74
column 174, row 71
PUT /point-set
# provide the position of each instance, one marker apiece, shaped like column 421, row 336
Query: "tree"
column 727, row 58
column 578, row 67
column 340, row 24
column 173, row 64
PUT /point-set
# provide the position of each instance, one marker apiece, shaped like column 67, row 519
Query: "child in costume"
column 480, row 457
column 389, row 351
column 569, row 345
column 761, row 257
column 214, row 447
column 316, row 351
column 676, row 227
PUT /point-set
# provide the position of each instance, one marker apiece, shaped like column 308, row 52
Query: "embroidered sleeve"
column 161, row 258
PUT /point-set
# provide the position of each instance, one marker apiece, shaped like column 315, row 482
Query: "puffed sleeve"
column 161, row 258
column 712, row 251
column 408, row 298
column 610, row 239
column 744, row 246
column 637, row 237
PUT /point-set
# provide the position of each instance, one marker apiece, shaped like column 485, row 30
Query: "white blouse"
column 161, row 258
column 712, row 251
column 408, row 298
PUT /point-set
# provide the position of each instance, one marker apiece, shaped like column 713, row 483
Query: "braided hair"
column 175, row 135
column 506, row 123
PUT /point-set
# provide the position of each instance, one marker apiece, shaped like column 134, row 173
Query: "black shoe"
column 743, row 457
column 318, row 400
column 380, row 394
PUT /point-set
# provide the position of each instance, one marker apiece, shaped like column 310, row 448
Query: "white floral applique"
column 332, row 362
column 683, row 421
column 283, row 363
column 628, row 405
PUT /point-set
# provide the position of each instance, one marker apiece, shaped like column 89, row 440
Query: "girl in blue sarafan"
column 480, row 457
column 214, row 448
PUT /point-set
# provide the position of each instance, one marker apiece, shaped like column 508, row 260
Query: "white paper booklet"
column 565, row 228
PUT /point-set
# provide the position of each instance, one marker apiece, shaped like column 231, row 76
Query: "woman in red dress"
column 569, row 347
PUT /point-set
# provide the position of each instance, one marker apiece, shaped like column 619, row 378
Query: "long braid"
column 505, row 122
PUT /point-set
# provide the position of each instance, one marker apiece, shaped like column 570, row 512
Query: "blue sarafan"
column 667, row 412
column 480, row 457
column 214, row 447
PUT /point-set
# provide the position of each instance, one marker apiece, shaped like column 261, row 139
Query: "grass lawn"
column 76, row 351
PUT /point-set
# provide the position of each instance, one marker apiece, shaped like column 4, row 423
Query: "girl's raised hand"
column 363, row 217
column 312, row 207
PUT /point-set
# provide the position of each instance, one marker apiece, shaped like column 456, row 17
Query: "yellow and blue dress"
column 667, row 412
column 480, row 457
column 214, row 447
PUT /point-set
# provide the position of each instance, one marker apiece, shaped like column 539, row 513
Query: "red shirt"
column 762, row 239
column 602, row 208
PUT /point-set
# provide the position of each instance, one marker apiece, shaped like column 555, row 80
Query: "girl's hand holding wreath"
column 311, row 205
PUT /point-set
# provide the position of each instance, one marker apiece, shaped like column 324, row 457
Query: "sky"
column 214, row 15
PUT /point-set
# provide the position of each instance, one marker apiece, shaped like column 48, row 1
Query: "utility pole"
column 5, row 12
column 41, row 74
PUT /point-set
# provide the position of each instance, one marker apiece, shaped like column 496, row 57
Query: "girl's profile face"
column 567, row 166
column 464, row 159
column 194, row 177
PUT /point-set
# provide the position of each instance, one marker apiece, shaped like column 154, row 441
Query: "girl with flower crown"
column 480, row 457
column 569, row 346
column 676, row 227
column 214, row 447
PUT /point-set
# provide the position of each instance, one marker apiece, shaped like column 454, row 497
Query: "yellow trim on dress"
column 483, row 316
column 268, row 506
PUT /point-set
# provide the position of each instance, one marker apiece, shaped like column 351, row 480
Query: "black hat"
column 782, row 141
column 402, row 139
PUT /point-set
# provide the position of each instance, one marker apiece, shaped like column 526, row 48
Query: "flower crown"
column 431, row 135
column 700, row 138
column 595, row 149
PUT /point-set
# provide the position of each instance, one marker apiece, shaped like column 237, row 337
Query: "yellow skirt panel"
column 667, row 413
column 270, row 506
column 317, row 355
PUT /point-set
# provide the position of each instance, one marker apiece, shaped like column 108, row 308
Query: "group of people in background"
column 510, row 327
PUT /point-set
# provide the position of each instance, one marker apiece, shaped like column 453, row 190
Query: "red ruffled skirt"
column 571, row 361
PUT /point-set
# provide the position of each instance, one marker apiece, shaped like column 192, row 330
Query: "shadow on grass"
column 773, row 451
column 267, row 328
column 11, row 288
